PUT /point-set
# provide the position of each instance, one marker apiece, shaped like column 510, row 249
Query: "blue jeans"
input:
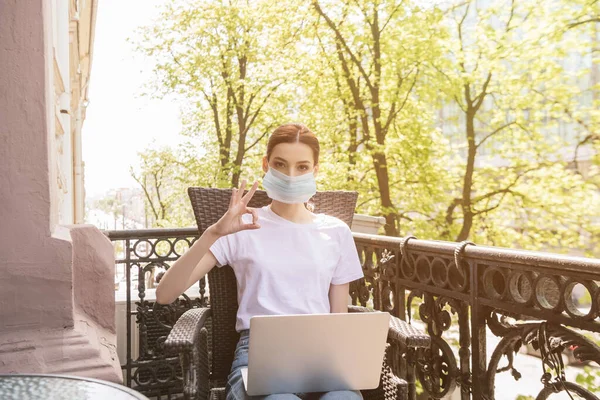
column 235, row 389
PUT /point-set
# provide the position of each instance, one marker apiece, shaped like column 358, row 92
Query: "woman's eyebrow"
column 285, row 161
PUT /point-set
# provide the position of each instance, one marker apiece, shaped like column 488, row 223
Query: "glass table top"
column 60, row 387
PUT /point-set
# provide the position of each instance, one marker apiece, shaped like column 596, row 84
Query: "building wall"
column 72, row 37
column 451, row 120
column 31, row 248
column 56, row 281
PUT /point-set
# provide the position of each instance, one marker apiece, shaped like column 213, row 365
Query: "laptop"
column 315, row 353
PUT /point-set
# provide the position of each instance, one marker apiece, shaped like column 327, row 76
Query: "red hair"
column 294, row 133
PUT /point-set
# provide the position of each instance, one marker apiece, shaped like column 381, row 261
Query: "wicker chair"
column 205, row 338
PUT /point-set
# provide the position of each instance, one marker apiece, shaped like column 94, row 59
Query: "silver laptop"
column 315, row 353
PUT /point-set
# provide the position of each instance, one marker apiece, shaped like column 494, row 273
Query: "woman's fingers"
column 233, row 199
column 254, row 214
column 250, row 226
column 240, row 191
column 236, row 194
column 246, row 199
column 254, row 224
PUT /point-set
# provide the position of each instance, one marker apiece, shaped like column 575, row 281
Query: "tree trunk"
column 468, row 178
column 353, row 147
column 383, row 182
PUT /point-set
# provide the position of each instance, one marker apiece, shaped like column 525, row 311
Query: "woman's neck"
column 292, row 212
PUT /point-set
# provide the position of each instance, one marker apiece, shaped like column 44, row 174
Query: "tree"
column 376, row 51
column 164, row 174
column 501, row 65
column 232, row 64
column 581, row 34
column 582, row 12
column 454, row 123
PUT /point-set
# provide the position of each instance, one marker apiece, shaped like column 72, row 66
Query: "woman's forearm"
column 175, row 280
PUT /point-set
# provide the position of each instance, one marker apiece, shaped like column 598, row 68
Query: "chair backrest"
column 209, row 204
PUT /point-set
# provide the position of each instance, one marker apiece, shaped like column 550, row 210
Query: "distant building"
column 73, row 24
column 451, row 120
column 122, row 208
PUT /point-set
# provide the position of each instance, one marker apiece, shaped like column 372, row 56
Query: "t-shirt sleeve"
column 224, row 250
column 348, row 268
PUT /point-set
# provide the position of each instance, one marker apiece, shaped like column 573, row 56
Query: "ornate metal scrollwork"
column 438, row 369
column 450, row 279
column 153, row 371
column 377, row 264
column 551, row 339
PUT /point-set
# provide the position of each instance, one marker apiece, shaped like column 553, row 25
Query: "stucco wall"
column 56, row 282
column 35, row 259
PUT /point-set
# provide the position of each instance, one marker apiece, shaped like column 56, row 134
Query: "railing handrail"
column 477, row 284
column 490, row 253
column 122, row 234
column 477, row 252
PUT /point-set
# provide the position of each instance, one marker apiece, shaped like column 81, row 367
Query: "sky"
column 120, row 122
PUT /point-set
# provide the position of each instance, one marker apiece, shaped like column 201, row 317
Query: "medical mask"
column 289, row 189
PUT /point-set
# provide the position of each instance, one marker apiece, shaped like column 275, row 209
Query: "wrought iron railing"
column 521, row 297
column 139, row 253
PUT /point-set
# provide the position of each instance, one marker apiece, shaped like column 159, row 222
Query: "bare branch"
column 507, row 189
column 481, row 96
column 148, row 197
column 587, row 21
column 366, row 201
column 273, row 90
column 267, row 130
column 460, row 35
column 592, row 137
column 512, row 13
column 342, row 41
column 400, row 4
column 494, row 132
column 253, row 96
column 393, row 112
column 455, row 203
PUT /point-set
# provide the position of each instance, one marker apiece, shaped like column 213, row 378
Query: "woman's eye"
column 303, row 168
column 278, row 165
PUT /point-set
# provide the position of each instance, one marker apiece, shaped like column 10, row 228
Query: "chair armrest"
column 400, row 331
column 187, row 329
column 406, row 334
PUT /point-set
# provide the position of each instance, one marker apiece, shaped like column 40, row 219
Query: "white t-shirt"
column 286, row 268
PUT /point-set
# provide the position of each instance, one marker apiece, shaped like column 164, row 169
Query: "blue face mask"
column 289, row 189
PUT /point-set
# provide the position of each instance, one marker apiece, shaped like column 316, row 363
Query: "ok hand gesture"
column 231, row 221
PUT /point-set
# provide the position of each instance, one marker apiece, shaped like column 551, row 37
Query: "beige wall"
column 37, row 185
column 56, row 281
column 72, row 38
column 30, row 245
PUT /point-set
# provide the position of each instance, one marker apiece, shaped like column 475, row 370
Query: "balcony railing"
column 459, row 292
column 139, row 253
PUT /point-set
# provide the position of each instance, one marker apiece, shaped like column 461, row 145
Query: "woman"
column 286, row 259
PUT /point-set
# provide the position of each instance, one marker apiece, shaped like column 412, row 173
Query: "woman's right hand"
column 231, row 221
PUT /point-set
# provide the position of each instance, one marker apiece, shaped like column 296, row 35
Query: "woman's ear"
column 265, row 164
column 316, row 171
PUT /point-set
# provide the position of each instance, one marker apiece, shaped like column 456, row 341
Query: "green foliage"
column 589, row 379
column 164, row 174
column 218, row 60
column 473, row 120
